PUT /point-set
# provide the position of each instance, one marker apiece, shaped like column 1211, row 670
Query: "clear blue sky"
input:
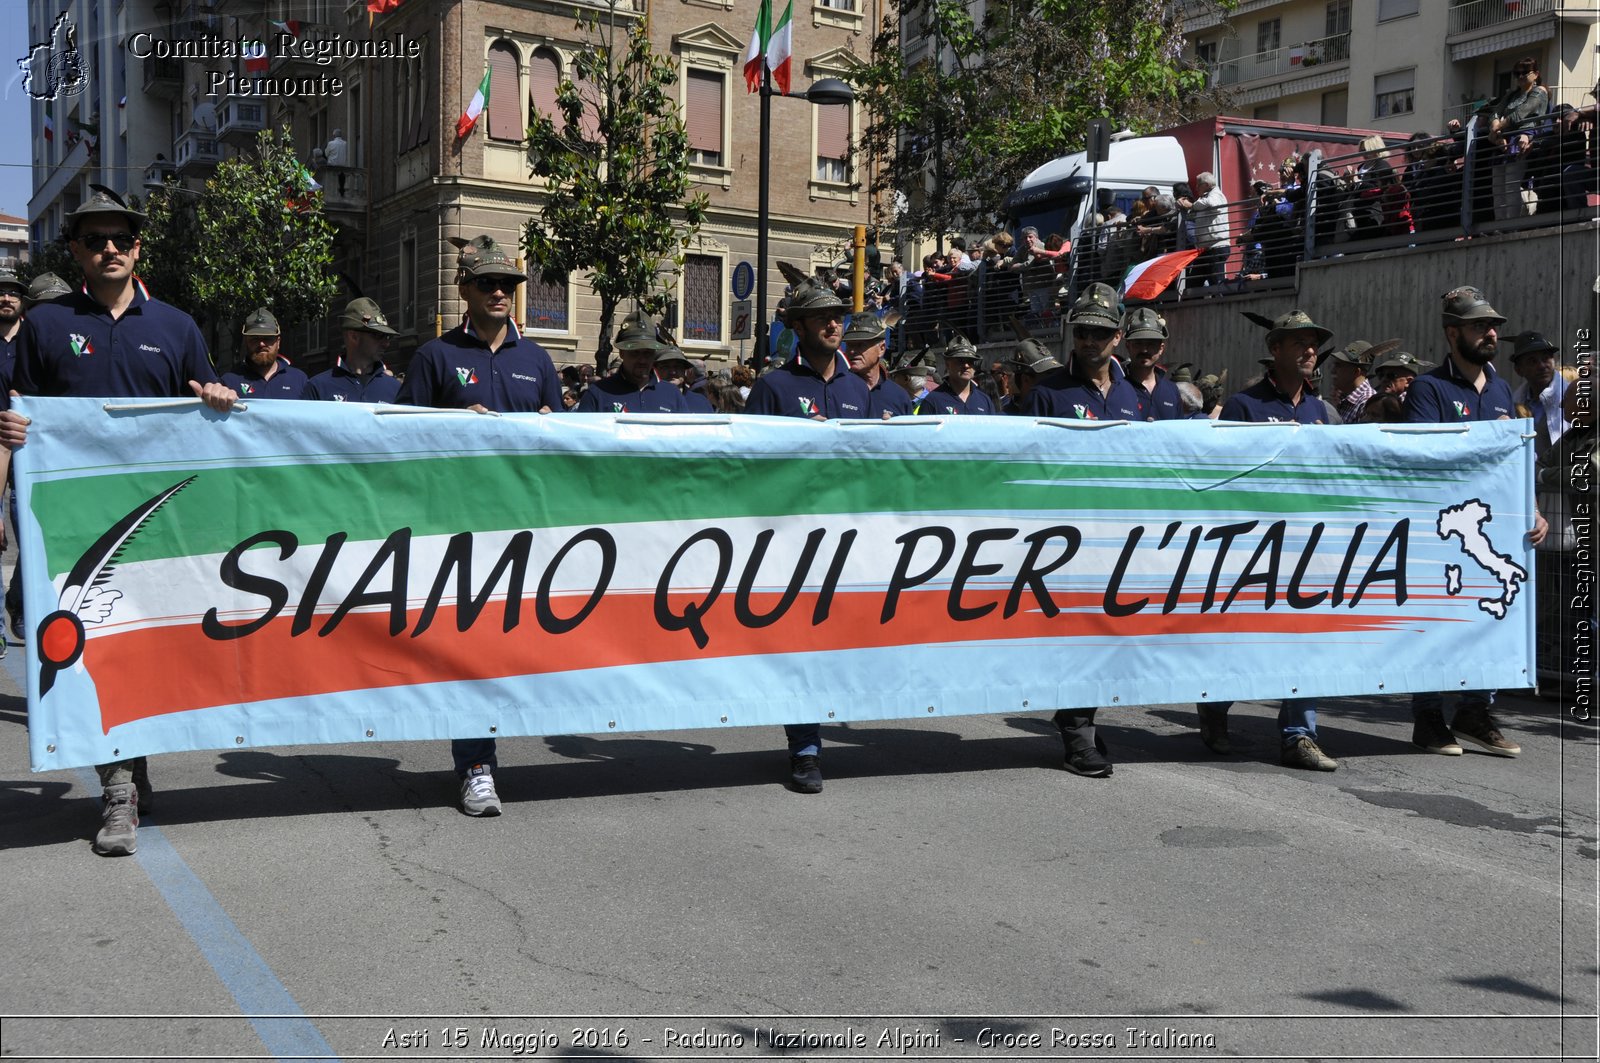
column 16, row 152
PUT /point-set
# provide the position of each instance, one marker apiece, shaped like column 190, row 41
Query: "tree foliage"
column 617, row 167
column 993, row 99
column 254, row 236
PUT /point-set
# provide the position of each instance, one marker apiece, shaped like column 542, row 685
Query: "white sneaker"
column 477, row 793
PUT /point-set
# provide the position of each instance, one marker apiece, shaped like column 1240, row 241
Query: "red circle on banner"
column 60, row 640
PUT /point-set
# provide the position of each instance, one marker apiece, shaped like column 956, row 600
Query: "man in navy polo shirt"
column 1091, row 386
column 483, row 364
column 110, row 340
column 266, row 374
column 1144, row 337
column 360, row 376
column 674, row 367
column 815, row 383
column 864, row 343
column 1464, row 388
column 959, row 393
column 13, row 293
column 1283, row 394
column 634, row 387
column 1029, row 361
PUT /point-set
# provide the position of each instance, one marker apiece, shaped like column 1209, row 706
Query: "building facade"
column 398, row 183
column 1402, row 65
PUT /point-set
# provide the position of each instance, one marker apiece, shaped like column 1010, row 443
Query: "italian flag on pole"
column 469, row 117
column 776, row 45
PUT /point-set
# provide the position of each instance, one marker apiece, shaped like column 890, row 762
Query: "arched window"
column 544, row 79
column 505, row 92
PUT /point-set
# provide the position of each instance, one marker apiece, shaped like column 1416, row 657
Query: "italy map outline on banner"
column 410, row 576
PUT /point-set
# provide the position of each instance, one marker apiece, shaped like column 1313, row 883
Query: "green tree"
column 956, row 133
column 617, row 167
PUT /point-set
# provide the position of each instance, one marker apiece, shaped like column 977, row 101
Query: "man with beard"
column 634, row 387
column 1464, row 388
column 863, row 342
column 12, row 294
column 1283, row 394
column 959, row 393
column 815, row 383
column 360, row 376
column 1144, row 337
column 266, row 373
column 1540, row 393
column 483, row 364
column 110, row 340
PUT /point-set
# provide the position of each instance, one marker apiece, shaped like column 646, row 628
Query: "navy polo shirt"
column 1443, row 396
column 616, row 394
column 1262, row 401
column 8, row 360
column 942, row 400
column 794, row 389
column 458, row 370
column 341, row 385
column 287, row 383
column 888, row 397
column 73, row 347
column 1063, row 393
column 695, row 402
column 1161, row 403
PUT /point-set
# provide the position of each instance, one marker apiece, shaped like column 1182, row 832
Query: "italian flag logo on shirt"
column 80, row 345
column 246, row 389
column 466, row 376
column 1461, row 410
column 808, row 407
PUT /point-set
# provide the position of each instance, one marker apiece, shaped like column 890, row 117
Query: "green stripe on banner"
column 498, row 492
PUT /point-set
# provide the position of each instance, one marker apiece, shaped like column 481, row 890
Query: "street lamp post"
column 827, row 92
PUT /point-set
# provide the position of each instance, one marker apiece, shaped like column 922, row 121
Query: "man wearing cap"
column 815, row 383
column 1283, row 394
column 634, row 387
column 913, row 374
column 959, row 393
column 110, row 340
column 675, row 368
column 1091, row 386
column 12, row 295
column 360, row 376
column 1144, row 337
column 1534, row 359
column 1028, row 362
column 863, row 341
column 483, row 364
column 1463, row 389
column 1351, row 389
column 266, row 374
column 1393, row 373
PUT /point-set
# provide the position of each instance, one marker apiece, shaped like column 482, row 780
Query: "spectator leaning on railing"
column 1505, row 140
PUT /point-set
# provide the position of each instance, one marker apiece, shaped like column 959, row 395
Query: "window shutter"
column 544, row 80
column 505, row 93
column 704, row 104
column 833, row 131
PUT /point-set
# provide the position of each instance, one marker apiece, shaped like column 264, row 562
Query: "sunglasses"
column 96, row 242
column 487, row 285
column 1092, row 332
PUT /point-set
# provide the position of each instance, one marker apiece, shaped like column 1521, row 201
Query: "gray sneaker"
column 1303, row 753
column 477, row 793
column 119, row 832
column 1475, row 725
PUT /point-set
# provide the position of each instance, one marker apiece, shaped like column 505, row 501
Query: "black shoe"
column 805, row 775
column 1085, row 749
column 17, row 634
column 1214, row 730
column 1428, row 731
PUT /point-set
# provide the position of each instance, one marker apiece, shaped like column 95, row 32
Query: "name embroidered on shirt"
column 147, row 347
column 524, row 376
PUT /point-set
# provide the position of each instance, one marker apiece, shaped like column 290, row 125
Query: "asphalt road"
column 952, row 893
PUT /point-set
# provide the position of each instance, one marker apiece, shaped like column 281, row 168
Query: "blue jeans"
column 1297, row 717
column 1466, row 699
column 470, row 752
column 805, row 739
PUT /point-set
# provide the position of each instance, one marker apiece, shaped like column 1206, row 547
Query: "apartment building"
column 398, row 183
column 1403, row 65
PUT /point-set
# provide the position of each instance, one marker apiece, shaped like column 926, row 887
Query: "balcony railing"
column 1469, row 15
column 1280, row 61
column 344, row 188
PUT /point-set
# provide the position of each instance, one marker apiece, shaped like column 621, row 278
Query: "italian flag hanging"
column 780, row 47
column 469, row 117
column 758, row 47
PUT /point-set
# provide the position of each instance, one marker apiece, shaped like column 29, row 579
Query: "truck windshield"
column 1051, row 216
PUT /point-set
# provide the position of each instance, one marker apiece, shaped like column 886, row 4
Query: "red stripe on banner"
column 136, row 679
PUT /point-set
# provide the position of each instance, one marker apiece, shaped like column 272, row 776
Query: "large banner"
column 298, row 573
